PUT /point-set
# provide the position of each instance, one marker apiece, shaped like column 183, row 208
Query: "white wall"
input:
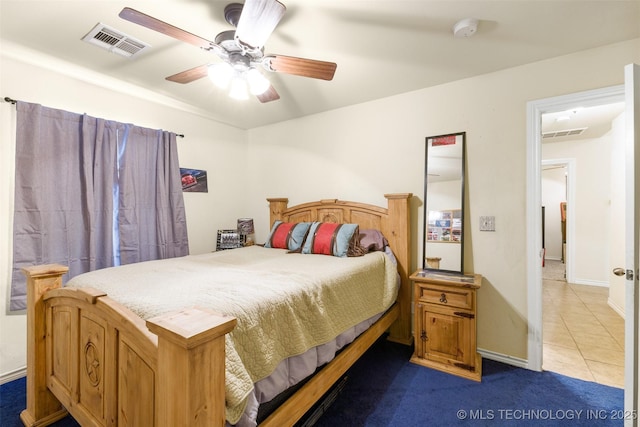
column 207, row 145
column 354, row 153
column 363, row 151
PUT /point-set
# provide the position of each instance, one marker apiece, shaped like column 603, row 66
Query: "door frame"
column 535, row 110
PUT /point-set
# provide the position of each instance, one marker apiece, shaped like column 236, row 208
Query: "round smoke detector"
column 465, row 28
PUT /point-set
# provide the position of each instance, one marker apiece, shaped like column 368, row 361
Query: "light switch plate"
column 487, row 223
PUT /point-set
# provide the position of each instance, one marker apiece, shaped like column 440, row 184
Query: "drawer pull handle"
column 464, row 314
column 443, row 298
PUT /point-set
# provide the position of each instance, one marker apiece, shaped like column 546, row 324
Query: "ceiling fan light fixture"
column 238, row 89
column 258, row 84
column 220, row 74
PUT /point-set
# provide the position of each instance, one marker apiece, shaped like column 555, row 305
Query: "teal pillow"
column 329, row 238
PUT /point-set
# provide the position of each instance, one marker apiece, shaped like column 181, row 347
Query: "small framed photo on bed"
column 229, row 239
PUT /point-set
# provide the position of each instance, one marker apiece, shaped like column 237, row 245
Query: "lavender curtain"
column 69, row 170
column 151, row 217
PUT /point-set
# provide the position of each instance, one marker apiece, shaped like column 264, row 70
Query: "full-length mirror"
column 444, row 202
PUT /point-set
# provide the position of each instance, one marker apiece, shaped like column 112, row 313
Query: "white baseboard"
column 615, row 307
column 591, row 282
column 13, row 375
column 503, row 358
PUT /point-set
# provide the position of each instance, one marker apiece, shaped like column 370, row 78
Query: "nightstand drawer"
column 455, row 297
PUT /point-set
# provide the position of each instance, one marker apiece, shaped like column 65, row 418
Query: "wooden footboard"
column 95, row 358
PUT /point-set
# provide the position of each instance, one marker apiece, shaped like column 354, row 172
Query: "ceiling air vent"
column 566, row 132
column 114, row 41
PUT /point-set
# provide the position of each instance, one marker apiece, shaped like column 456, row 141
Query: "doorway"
column 583, row 336
column 535, row 110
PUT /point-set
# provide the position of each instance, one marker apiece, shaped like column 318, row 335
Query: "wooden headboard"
column 394, row 223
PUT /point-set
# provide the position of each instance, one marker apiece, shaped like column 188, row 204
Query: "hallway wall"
column 593, row 204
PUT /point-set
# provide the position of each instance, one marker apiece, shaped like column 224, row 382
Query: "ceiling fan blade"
column 152, row 23
column 301, row 66
column 257, row 21
column 191, row 75
column 269, row 95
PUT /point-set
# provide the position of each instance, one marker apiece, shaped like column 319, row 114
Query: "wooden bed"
column 89, row 356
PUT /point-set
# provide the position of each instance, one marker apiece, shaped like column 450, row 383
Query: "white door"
column 632, row 228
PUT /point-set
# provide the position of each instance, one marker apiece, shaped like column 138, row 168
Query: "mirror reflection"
column 444, row 203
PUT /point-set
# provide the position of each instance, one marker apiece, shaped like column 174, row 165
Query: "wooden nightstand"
column 445, row 322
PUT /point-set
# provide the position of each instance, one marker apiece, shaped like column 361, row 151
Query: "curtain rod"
column 13, row 101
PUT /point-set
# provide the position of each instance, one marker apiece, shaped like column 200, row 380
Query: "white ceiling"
column 382, row 48
column 592, row 122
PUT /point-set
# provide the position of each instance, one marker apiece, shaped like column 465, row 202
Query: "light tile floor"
column 582, row 336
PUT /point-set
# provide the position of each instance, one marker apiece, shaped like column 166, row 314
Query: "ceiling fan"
column 241, row 50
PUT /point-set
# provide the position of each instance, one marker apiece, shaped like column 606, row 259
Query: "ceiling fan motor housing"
column 239, row 62
column 232, row 13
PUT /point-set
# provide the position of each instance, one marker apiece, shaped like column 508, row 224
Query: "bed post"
column 42, row 406
column 191, row 367
column 400, row 240
column 276, row 207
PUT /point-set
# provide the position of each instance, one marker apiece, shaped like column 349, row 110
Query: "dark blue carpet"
column 13, row 400
column 384, row 389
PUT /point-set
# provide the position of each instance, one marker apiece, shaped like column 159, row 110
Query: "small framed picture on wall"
column 194, row 180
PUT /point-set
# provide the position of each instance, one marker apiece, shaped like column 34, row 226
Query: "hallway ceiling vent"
column 115, row 41
column 566, row 132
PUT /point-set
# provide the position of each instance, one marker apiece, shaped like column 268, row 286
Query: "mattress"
column 287, row 305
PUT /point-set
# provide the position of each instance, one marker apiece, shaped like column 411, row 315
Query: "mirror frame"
column 425, row 224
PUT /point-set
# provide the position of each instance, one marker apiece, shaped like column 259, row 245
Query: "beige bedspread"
column 285, row 303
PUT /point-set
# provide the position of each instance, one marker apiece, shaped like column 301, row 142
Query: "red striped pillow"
column 329, row 238
column 287, row 235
